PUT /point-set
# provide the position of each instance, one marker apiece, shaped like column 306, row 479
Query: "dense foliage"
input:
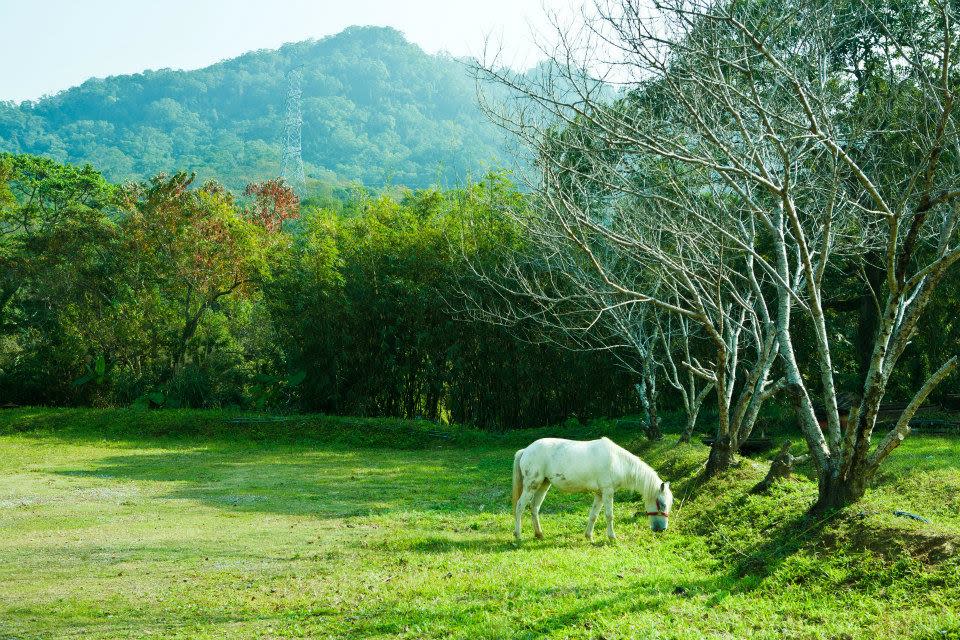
column 166, row 293
column 170, row 293
column 376, row 109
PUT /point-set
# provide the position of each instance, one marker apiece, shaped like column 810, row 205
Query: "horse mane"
column 640, row 476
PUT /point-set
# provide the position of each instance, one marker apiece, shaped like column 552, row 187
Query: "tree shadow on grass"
column 500, row 542
column 324, row 482
column 587, row 606
column 792, row 535
column 175, row 427
column 643, row 596
column 439, row 544
column 141, row 622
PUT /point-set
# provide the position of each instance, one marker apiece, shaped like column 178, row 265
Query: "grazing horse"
column 599, row 467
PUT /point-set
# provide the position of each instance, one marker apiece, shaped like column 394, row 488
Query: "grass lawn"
column 184, row 531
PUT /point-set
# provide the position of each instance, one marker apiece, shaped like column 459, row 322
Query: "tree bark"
column 721, row 456
column 688, row 429
column 189, row 329
column 648, row 398
column 836, row 493
column 780, row 469
column 654, row 432
column 868, row 318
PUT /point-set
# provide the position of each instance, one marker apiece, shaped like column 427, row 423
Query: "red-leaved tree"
column 273, row 202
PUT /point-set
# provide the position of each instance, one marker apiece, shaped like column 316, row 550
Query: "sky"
column 51, row 45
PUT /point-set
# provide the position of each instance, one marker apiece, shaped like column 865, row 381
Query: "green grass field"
column 118, row 524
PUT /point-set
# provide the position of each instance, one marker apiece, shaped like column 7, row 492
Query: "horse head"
column 659, row 506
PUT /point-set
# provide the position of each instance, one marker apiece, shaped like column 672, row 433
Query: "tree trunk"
column 836, row 493
column 721, row 456
column 653, row 426
column 689, row 427
column 868, row 318
column 647, row 391
column 693, row 405
column 189, row 329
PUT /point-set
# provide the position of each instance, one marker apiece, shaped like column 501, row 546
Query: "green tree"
column 195, row 246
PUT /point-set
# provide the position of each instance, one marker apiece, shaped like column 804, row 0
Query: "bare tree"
column 750, row 127
column 677, row 337
column 611, row 238
column 571, row 312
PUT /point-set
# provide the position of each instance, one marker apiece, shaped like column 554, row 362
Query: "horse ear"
column 663, row 486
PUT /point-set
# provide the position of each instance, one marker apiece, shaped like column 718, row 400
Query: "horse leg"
column 538, row 498
column 594, row 512
column 522, row 502
column 608, row 509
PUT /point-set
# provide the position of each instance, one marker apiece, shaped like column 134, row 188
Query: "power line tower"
column 291, row 162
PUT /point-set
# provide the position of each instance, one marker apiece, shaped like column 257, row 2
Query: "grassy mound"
column 770, row 542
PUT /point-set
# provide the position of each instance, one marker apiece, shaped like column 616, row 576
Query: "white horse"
column 599, row 467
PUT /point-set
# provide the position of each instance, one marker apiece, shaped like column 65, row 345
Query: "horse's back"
column 571, row 465
column 556, row 448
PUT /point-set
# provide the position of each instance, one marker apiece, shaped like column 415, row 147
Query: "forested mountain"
column 376, row 109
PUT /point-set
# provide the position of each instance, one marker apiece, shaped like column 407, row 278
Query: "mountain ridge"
column 377, row 110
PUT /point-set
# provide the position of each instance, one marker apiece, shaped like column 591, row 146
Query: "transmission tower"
column 291, row 162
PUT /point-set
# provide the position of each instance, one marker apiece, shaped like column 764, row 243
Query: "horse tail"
column 517, row 478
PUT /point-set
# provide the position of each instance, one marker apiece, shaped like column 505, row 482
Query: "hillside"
column 376, row 109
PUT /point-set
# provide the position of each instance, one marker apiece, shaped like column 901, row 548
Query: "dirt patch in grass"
column 864, row 531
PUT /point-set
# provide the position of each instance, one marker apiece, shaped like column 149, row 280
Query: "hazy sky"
column 49, row 45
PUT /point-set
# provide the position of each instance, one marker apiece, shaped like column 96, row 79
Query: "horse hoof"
column 538, row 535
